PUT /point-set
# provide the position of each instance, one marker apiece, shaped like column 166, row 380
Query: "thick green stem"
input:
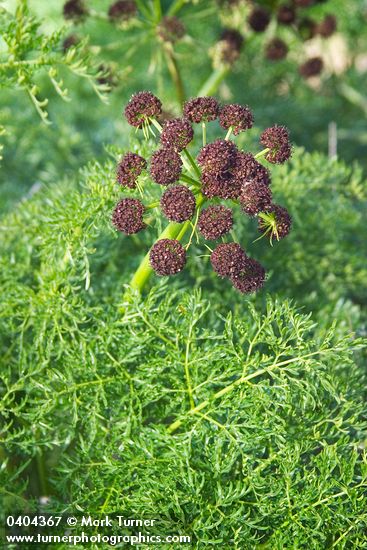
column 192, row 162
column 211, row 85
column 203, row 125
column 262, row 153
column 175, row 74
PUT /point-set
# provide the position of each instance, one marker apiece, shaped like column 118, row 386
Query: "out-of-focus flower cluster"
column 200, row 193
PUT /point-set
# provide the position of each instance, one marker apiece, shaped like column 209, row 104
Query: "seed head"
column 165, row 166
column 122, row 10
column 280, row 224
column 228, row 259
column 251, row 278
column 75, row 9
column 255, row 198
column 312, row 67
column 128, row 216
column 327, row 27
column 276, row 49
column 223, row 186
column 217, row 157
column 238, row 116
column 171, row 29
column 178, row 203
column 177, row 133
column 276, row 139
column 201, row 109
column 142, row 106
column 215, row 221
column 248, row 169
column 229, row 46
column 69, row 42
column 129, row 168
column 167, row 257
column 259, row 19
column 286, row 15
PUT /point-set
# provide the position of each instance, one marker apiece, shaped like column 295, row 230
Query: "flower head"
column 311, row 67
column 75, row 9
column 167, row 257
column 276, row 139
column 141, row 107
column 165, row 166
column 250, row 278
column 223, row 186
column 255, row 198
column 201, row 109
column 69, row 42
column 228, row 259
column 248, row 169
column 129, row 168
column 327, row 27
column 276, row 49
column 276, row 223
column 177, row 133
column 217, row 157
column 229, row 46
column 215, row 221
column 122, row 10
column 178, row 203
column 239, row 117
column 128, row 216
column 286, row 15
column 171, row 29
column 259, row 19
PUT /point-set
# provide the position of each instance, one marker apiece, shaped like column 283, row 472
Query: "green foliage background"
column 267, row 391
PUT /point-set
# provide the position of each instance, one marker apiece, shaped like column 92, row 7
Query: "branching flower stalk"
column 220, row 172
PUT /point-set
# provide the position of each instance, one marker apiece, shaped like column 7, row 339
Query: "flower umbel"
column 219, row 172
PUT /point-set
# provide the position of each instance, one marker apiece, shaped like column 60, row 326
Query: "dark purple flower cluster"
column 215, row 221
column 311, row 67
column 230, row 260
column 276, row 139
column 259, row 19
column 177, row 133
column 220, row 171
column 178, row 203
column 122, row 10
column 141, row 107
column 201, row 109
column 230, row 45
column 235, row 116
column 128, row 216
column 165, row 166
column 171, row 29
column 276, row 49
column 167, row 257
column 75, row 10
column 129, row 168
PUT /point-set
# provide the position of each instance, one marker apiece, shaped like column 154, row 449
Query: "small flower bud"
column 167, row 257
column 177, row 133
column 276, row 139
column 239, row 117
column 128, row 216
column 249, row 279
column 228, row 259
column 255, row 198
column 165, row 166
column 286, row 15
column 215, row 221
column 276, row 49
column 142, row 106
column 171, row 29
column 259, row 19
column 122, row 10
column 178, row 203
column 129, row 168
column 201, row 109
column 279, row 225
column 217, row 157
column 311, row 67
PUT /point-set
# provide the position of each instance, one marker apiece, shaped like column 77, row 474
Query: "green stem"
column 211, row 85
column 176, row 6
column 228, row 135
column 42, row 477
column 187, row 179
column 175, row 73
column 203, row 125
column 262, row 153
column 192, row 162
column 157, row 10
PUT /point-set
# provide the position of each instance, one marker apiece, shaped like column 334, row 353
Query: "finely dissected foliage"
column 242, row 432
